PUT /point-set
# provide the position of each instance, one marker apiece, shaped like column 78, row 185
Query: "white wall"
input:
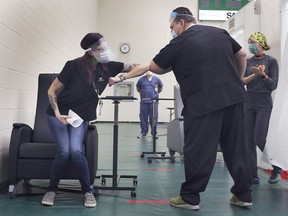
column 267, row 22
column 35, row 36
column 145, row 25
column 284, row 24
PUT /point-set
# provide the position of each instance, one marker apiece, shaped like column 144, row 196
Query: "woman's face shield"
column 99, row 46
column 102, row 51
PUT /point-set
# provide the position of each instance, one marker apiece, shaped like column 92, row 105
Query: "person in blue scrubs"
column 149, row 87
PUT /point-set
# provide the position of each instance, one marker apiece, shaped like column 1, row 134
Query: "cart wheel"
column 12, row 192
column 171, row 152
column 26, row 181
column 95, row 192
column 163, row 155
column 133, row 194
column 142, row 155
column 103, row 181
column 149, row 161
column 11, row 195
column 135, row 181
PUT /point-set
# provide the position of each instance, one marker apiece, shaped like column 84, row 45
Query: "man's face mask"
column 173, row 34
column 175, row 29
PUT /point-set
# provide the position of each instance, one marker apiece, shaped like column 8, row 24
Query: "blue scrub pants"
column 146, row 113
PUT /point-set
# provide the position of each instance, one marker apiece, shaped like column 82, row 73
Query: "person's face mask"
column 103, row 57
column 149, row 73
column 173, row 34
column 176, row 28
column 253, row 48
column 102, row 53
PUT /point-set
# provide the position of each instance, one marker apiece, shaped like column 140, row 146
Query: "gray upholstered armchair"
column 175, row 130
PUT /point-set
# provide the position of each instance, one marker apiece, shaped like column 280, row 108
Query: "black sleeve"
column 115, row 68
column 235, row 45
column 65, row 75
column 165, row 58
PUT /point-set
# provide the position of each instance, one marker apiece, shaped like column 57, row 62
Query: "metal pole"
column 115, row 144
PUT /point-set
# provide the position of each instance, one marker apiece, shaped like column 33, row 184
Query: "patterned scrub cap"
column 261, row 39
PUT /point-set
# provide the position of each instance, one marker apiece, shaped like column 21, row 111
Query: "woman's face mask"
column 102, row 53
column 253, row 48
column 104, row 57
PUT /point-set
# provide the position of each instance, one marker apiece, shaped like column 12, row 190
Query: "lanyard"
column 100, row 102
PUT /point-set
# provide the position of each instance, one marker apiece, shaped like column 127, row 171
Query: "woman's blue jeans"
column 69, row 143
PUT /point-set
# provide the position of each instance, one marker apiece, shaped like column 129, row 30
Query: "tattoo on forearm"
column 129, row 67
column 53, row 102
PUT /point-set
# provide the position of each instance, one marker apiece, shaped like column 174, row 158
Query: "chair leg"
column 12, row 191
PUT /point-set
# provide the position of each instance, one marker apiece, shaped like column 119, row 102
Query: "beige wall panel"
column 36, row 36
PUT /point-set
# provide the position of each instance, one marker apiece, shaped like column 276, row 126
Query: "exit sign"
column 219, row 9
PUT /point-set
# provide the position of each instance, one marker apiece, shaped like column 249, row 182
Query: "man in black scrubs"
column 208, row 65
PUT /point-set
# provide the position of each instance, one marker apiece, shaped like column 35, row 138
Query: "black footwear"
column 255, row 180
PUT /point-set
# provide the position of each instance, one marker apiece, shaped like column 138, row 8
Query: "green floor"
column 157, row 182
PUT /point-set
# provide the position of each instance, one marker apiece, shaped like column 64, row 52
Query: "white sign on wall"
column 215, row 14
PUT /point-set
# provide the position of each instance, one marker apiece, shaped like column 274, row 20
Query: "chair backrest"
column 178, row 104
column 41, row 132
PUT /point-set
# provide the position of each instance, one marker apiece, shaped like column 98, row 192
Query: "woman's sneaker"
column 275, row 177
column 89, row 200
column 49, row 198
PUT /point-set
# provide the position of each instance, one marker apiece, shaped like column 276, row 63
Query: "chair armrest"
column 21, row 125
column 91, row 149
column 20, row 133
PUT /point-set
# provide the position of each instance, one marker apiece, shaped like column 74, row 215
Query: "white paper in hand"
column 74, row 119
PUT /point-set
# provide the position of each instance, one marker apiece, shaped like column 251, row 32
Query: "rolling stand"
column 115, row 178
column 154, row 127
